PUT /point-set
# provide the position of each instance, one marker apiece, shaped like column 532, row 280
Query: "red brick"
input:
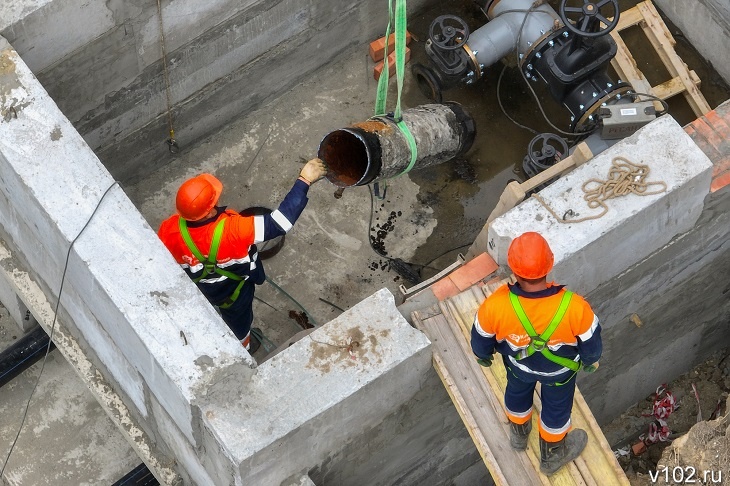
column 720, row 181
column 719, row 124
column 639, row 448
column 377, row 47
column 378, row 69
column 444, row 288
column 473, row 271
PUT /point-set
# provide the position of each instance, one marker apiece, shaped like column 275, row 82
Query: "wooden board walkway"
column 683, row 80
column 478, row 393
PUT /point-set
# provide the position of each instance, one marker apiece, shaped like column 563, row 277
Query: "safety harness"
column 539, row 342
column 210, row 264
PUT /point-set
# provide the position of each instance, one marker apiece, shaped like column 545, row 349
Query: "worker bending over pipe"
column 545, row 333
column 216, row 246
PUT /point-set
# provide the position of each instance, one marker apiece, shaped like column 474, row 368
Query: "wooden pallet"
column 683, row 80
column 478, row 394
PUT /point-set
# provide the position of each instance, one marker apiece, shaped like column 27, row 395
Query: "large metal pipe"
column 499, row 36
column 22, row 354
column 377, row 149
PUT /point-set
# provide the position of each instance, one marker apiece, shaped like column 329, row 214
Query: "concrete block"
column 135, row 313
column 311, row 399
column 591, row 252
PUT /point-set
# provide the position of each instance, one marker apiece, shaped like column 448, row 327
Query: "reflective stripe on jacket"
column 497, row 327
column 237, row 252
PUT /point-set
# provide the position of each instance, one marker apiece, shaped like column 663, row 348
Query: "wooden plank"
column 673, row 87
column 626, row 67
column 487, row 426
column 662, row 41
column 627, row 19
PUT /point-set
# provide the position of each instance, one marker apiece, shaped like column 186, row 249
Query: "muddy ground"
column 711, row 379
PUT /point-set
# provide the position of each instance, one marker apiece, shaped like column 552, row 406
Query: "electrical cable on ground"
column 309, row 316
column 531, row 10
column 53, row 327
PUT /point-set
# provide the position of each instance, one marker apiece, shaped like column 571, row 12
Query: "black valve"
column 589, row 18
column 448, row 32
column 543, row 151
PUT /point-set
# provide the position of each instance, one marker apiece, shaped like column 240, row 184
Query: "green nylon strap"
column 544, row 338
column 210, row 264
column 399, row 19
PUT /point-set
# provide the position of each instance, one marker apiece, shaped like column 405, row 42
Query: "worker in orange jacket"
column 545, row 333
column 216, row 246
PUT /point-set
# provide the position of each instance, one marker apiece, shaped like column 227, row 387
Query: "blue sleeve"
column 590, row 347
column 281, row 220
column 482, row 346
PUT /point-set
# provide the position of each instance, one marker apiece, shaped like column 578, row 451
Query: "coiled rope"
column 624, row 177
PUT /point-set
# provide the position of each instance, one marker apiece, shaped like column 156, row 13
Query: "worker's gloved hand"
column 486, row 362
column 313, row 171
column 591, row 368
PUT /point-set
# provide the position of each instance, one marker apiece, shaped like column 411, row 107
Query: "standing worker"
column 216, row 246
column 545, row 333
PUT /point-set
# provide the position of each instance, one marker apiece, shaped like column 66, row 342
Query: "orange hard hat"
column 197, row 196
column 529, row 256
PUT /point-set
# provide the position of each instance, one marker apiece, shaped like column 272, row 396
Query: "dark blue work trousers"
column 556, row 395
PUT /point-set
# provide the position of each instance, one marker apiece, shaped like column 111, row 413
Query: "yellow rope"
column 624, row 177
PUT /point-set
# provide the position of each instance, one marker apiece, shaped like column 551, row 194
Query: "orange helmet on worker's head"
column 529, row 256
column 197, row 196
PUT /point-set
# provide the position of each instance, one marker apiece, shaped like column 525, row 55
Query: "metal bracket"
column 460, row 260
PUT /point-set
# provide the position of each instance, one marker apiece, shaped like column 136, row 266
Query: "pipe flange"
column 582, row 122
column 539, row 44
column 473, row 58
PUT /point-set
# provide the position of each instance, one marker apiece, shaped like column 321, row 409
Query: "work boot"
column 554, row 455
column 255, row 341
column 518, row 434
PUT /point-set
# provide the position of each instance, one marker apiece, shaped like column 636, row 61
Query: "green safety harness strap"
column 210, row 264
column 539, row 342
column 399, row 18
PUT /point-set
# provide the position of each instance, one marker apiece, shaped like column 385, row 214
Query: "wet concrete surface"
column 340, row 251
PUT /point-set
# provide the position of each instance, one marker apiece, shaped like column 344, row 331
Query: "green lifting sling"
column 210, row 264
column 539, row 343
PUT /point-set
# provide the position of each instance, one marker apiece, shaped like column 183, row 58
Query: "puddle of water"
column 463, row 192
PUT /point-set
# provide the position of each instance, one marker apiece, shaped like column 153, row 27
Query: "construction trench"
column 145, row 370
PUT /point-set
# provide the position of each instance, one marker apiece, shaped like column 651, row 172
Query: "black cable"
column 53, row 327
column 522, row 73
column 449, row 251
column 663, row 102
column 504, row 112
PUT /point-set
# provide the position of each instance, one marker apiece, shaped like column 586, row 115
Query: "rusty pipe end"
column 352, row 156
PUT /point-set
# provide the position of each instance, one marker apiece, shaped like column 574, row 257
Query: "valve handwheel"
column 448, row 32
column 546, row 149
column 584, row 17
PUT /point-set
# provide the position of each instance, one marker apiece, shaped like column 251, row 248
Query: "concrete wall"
column 681, row 295
column 101, row 61
column 162, row 363
column 706, row 23
column 127, row 311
